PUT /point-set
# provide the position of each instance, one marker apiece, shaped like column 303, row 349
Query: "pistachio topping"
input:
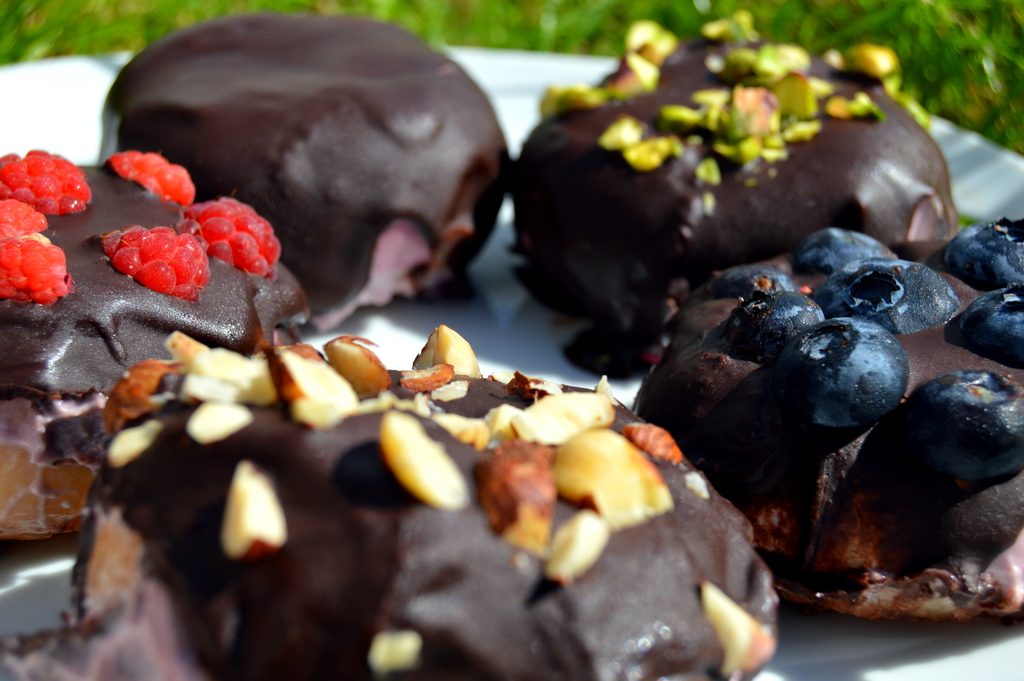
column 679, row 119
column 796, row 97
column 651, row 41
column 559, row 99
column 861, row 106
column 708, row 171
column 877, row 61
column 623, row 133
column 651, row 153
column 738, row 27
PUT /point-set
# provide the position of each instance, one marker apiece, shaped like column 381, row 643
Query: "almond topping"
column 254, row 523
column 455, row 390
column 215, row 421
column 499, row 420
column 420, row 463
column 184, row 348
column 445, row 346
column 531, row 389
column 516, row 488
column 426, row 380
column 576, row 547
column 358, row 365
column 316, row 394
column 747, row 643
column 473, row 432
column 132, row 397
column 554, row 419
column 394, row 651
column 654, row 440
column 130, row 443
column 226, row 376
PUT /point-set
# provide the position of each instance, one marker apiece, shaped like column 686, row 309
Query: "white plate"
column 58, row 105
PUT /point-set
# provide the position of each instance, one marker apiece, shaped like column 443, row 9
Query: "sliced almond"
column 134, row 395
column 243, row 379
column 516, row 488
column 316, row 394
column 747, row 644
column 455, row 390
column 555, row 419
column 358, row 365
column 696, row 483
column 130, row 443
column 304, row 350
column 429, row 379
column 394, row 651
column 654, row 440
column 215, row 421
column 184, row 348
column 473, row 432
column 502, row 376
column 576, row 547
column 499, row 421
column 420, row 463
column 531, row 389
column 386, row 400
column 601, row 469
column 254, row 523
column 445, row 346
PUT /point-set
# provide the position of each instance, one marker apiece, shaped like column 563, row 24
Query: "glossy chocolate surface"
column 88, row 338
column 332, row 128
column 841, row 513
column 613, row 244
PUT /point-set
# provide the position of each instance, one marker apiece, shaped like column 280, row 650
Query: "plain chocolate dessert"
column 630, row 193
column 443, row 526
column 867, row 415
column 376, row 158
column 61, row 360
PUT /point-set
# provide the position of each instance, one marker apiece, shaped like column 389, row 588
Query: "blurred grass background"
column 964, row 59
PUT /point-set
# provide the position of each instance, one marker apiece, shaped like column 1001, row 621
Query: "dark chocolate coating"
column 613, row 242
column 332, row 128
column 363, row 556
column 88, row 339
column 840, row 513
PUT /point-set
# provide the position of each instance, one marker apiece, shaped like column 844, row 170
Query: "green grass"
column 962, row 58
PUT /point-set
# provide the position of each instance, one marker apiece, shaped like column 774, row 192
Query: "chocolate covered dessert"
column 73, row 322
column 376, row 158
column 336, row 520
column 866, row 412
column 695, row 156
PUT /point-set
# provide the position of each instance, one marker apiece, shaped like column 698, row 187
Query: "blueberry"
column 759, row 327
column 741, row 281
column 988, row 255
column 829, row 250
column 841, row 373
column 968, row 425
column 993, row 325
column 901, row 296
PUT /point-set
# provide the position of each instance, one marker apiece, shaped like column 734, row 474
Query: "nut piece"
column 516, row 488
column 654, row 440
column 316, row 394
column 747, row 644
column 499, row 421
column 132, row 397
column 184, row 348
column 220, row 375
column 696, row 483
column 554, row 419
column 445, row 346
column 602, row 470
column 216, row 421
column 420, row 463
column 531, row 389
column 576, row 547
column 130, row 443
column 254, row 524
column 473, row 432
column 394, row 651
column 358, row 365
column 455, row 390
column 426, row 380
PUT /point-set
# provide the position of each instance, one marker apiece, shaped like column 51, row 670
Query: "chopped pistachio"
column 753, row 111
column 561, row 98
column 769, row 64
column 877, row 61
column 635, row 75
column 774, row 141
column 774, row 155
column 679, row 119
column 696, row 139
column 623, row 133
column 739, row 64
column 652, row 153
column 838, row 107
column 708, row 172
column 833, row 58
column 708, row 203
column 821, row 87
column 796, row 97
column 738, row 27
column 793, row 57
column 892, row 82
column 711, row 97
column 914, row 108
column 801, row 131
column 750, row 182
column 861, row 106
column 651, row 40
column 714, row 63
column 743, row 152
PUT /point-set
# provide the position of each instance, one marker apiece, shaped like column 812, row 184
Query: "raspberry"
column 33, row 270
column 17, row 219
column 47, row 182
column 167, row 180
column 160, row 259
column 235, row 233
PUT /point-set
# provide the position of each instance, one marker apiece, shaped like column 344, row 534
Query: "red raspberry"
column 33, row 270
column 47, row 182
column 160, row 259
column 167, row 180
column 235, row 233
column 17, row 219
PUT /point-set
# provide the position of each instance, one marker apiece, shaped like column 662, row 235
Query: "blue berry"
column 968, row 425
column 841, row 373
column 759, row 327
column 993, row 325
column 988, row 255
column 899, row 295
column 743, row 280
column 829, row 250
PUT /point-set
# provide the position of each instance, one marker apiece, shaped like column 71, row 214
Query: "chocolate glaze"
column 848, row 519
column 332, row 128
column 363, row 556
column 615, row 243
column 88, row 338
